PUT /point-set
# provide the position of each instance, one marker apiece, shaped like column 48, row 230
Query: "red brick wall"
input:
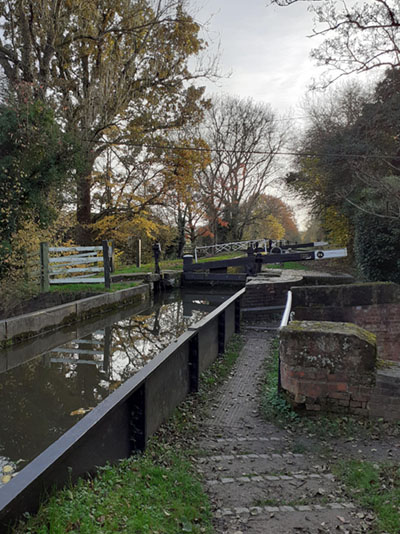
column 375, row 307
column 320, row 390
column 384, row 321
column 267, row 293
column 328, row 366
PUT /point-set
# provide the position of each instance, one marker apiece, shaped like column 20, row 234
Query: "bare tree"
column 358, row 38
column 245, row 139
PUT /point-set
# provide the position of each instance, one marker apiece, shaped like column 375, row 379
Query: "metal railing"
column 288, row 308
column 213, row 250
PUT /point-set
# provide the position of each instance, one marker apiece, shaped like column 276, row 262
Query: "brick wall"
column 328, row 366
column 272, row 292
column 375, row 307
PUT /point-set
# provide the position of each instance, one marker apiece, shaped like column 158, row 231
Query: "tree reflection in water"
column 45, row 396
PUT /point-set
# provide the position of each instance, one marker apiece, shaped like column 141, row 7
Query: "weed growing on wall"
column 274, row 406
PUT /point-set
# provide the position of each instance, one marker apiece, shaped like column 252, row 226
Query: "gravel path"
column 258, row 481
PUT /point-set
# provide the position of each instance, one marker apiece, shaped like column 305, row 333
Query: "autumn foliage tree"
column 245, row 138
column 116, row 72
column 183, row 168
column 272, row 218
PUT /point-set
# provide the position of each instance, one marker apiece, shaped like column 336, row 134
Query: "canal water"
column 47, row 385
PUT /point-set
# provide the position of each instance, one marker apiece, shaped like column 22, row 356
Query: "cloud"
column 265, row 48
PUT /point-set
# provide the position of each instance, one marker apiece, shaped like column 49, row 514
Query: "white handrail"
column 286, row 313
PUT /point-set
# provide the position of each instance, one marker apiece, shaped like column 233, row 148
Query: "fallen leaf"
column 80, row 411
column 8, row 469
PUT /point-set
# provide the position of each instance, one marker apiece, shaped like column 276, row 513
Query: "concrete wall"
column 373, row 306
column 266, row 294
column 328, row 366
column 22, row 327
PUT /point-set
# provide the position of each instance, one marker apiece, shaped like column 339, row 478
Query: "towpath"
column 263, row 479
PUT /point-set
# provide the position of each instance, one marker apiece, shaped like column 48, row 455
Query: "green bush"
column 377, row 247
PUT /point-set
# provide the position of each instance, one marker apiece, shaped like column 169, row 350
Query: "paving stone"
column 336, row 506
column 240, row 510
column 253, row 462
column 286, row 509
column 226, row 511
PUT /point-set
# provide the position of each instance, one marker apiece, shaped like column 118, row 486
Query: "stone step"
column 234, row 465
column 283, row 509
column 389, row 375
column 273, row 490
column 385, row 399
column 306, row 519
column 257, row 445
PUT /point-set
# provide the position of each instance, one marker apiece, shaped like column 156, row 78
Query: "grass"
column 376, row 488
column 137, row 496
column 170, row 265
column 158, row 492
column 274, row 406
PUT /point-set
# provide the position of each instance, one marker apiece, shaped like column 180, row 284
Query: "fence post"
column 194, row 364
column 44, row 267
column 237, row 315
column 157, row 252
column 139, row 253
column 187, row 262
column 106, row 261
column 221, row 333
column 111, row 252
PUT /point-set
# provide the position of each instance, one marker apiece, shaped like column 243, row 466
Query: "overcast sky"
column 266, row 51
column 265, row 48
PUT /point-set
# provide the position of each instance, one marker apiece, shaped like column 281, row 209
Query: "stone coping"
column 22, row 327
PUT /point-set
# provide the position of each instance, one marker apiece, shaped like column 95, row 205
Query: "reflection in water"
column 43, row 395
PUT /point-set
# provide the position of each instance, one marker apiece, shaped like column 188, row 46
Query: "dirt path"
column 258, row 480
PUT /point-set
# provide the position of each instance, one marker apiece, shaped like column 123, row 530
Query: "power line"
column 259, row 152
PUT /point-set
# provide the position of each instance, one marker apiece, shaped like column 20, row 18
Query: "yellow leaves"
column 7, row 474
column 81, row 411
column 337, row 226
column 273, row 228
column 120, row 227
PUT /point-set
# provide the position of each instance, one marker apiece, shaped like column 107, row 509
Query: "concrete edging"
column 22, row 327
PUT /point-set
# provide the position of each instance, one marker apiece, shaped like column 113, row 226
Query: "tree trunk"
column 181, row 231
column 83, row 232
